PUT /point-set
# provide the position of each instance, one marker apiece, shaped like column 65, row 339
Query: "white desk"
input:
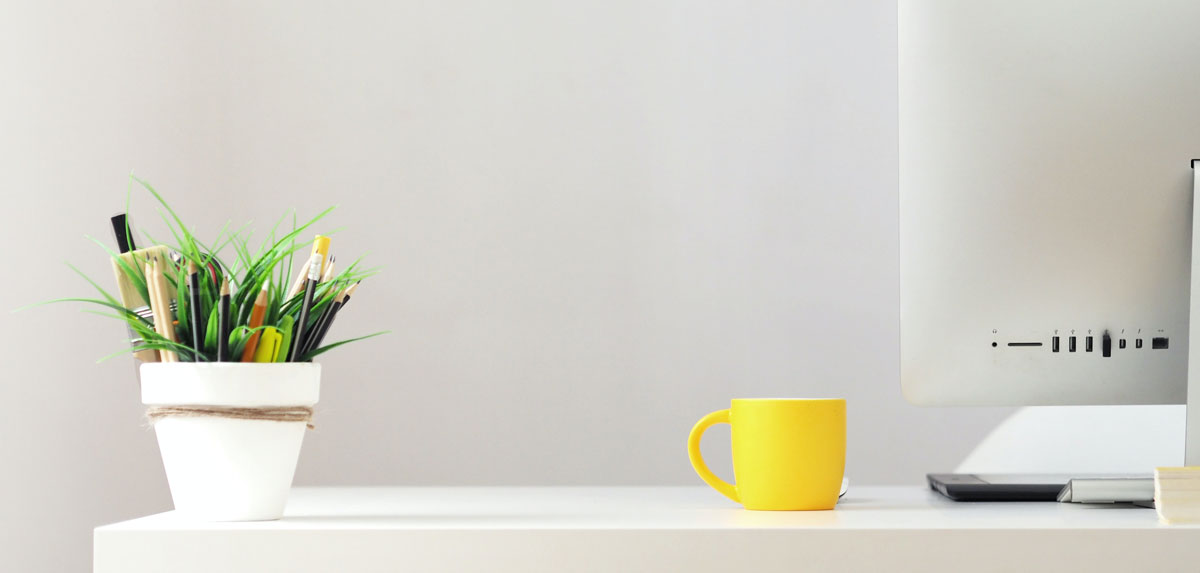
column 648, row 529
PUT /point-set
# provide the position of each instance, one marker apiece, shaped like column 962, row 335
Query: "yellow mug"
column 787, row 454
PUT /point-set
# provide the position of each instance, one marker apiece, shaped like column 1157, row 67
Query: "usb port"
column 1159, row 343
column 1071, row 344
column 1121, row 344
column 1087, row 344
column 1137, row 343
column 1054, row 344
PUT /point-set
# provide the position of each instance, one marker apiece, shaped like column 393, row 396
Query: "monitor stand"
column 1191, row 454
column 970, row 487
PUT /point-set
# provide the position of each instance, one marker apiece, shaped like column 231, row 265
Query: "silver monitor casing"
column 1045, row 189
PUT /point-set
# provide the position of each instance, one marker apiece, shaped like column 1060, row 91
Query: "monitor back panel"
column 1045, row 199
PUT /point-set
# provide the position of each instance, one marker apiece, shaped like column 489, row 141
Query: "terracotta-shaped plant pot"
column 222, row 468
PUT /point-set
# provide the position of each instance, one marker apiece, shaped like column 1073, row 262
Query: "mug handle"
column 725, row 488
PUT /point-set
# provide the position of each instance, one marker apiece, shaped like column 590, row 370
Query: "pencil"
column 333, row 310
column 164, row 299
column 223, row 323
column 256, row 319
column 326, row 277
column 328, row 274
column 323, row 322
column 314, row 275
column 320, row 248
column 301, row 277
column 197, row 323
column 152, row 303
column 131, row 295
column 156, row 286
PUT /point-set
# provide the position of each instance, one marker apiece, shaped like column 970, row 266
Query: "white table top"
column 644, row 528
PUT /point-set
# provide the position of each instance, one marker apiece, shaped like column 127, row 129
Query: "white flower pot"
column 228, row 469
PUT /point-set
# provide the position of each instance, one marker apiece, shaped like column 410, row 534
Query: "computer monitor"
column 1046, row 200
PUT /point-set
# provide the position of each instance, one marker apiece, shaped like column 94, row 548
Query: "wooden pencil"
column 152, row 302
column 350, row 292
column 320, row 248
column 130, row 295
column 301, row 278
column 159, row 305
column 328, row 270
column 256, row 320
column 164, row 298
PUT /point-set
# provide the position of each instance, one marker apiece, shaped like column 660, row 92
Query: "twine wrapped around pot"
column 269, row 413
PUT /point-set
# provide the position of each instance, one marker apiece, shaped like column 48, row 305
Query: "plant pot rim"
column 230, row 384
column 228, row 365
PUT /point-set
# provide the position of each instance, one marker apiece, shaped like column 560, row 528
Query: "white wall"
column 599, row 221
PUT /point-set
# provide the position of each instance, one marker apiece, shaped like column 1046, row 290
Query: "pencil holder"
column 230, row 433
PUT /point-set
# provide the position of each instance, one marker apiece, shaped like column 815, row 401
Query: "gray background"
column 598, row 222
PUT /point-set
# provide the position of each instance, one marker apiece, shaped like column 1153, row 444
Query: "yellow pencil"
column 320, row 248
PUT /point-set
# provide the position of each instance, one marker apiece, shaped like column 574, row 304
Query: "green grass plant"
column 270, row 263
